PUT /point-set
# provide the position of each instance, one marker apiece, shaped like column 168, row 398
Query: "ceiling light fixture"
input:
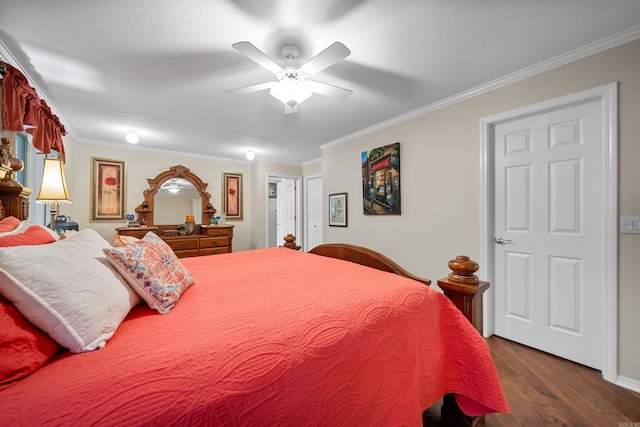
column 132, row 136
column 250, row 155
column 173, row 187
column 291, row 90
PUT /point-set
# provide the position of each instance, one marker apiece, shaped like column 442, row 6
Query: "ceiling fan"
column 292, row 85
column 175, row 185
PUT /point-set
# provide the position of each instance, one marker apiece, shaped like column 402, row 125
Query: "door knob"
column 499, row 240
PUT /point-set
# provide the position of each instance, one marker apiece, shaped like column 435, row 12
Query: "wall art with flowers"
column 108, row 189
column 232, row 195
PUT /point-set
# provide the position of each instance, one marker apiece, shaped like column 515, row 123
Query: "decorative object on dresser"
column 132, row 221
column 196, row 235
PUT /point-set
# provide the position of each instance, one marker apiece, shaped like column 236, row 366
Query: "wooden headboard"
column 14, row 198
column 364, row 256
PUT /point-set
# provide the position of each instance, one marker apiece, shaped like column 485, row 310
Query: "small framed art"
column 108, row 192
column 338, row 210
column 232, row 195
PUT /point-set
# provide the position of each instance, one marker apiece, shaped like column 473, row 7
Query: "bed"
column 341, row 336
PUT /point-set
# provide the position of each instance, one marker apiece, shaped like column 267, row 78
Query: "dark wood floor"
column 544, row 390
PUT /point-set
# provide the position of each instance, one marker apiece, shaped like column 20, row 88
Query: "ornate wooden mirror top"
column 174, row 178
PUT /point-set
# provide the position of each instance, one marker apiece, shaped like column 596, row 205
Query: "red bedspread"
column 271, row 337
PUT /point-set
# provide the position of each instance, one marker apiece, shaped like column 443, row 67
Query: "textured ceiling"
column 162, row 66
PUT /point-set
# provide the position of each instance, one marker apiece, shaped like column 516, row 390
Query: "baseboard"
column 628, row 383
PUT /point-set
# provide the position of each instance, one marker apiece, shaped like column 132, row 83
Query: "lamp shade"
column 54, row 186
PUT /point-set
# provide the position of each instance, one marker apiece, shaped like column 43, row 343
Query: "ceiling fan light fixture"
column 290, row 90
column 173, row 188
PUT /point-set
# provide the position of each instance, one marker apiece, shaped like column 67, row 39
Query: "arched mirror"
column 174, row 200
column 172, row 195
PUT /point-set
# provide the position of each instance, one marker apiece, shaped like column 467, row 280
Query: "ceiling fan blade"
column 326, row 58
column 332, row 91
column 257, row 55
column 250, row 89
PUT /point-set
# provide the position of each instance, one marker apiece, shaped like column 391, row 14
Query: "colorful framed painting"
column 381, row 180
column 108, row 189
column 338, row 210
column 232, row 195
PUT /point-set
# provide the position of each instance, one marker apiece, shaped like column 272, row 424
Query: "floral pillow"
column 152, row 270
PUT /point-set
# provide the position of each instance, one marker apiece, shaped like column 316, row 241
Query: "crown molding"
column 566, row 58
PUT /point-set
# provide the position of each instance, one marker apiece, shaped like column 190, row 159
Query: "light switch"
column 630, row 225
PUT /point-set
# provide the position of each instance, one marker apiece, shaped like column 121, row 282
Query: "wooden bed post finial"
column 463, row 269
column 464, row 289
column 290, row 242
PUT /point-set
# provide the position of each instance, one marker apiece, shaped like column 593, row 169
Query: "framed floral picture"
column 232, row 195
column 338, row 210
column 108, row 189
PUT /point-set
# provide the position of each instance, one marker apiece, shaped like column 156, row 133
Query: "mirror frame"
column 145, row 210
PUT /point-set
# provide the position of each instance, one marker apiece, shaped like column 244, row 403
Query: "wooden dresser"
column 206, row 239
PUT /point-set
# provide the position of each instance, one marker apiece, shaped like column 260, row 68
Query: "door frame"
column 306, row 208
column 297, row 179
column 608, row 96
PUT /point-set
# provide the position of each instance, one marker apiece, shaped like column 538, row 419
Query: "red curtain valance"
column 22, row 106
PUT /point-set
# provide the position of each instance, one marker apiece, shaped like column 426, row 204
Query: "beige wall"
column 440, row 168
column 143, row 164
column 313, row 167
column 249, row 233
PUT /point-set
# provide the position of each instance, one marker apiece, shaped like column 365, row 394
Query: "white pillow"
column 68, row 289
column 26, row 224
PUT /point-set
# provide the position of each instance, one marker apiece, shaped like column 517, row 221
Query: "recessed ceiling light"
column 250, row 155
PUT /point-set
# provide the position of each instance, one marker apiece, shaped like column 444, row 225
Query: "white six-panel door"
column 314, row 213
column 549, row 231
column 286, row 209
